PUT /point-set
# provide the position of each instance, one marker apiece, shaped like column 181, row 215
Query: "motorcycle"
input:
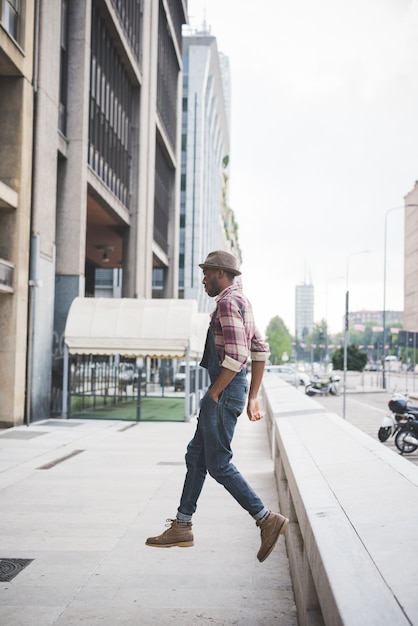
column 395, row 418
column 323, row 386
column 406, row 439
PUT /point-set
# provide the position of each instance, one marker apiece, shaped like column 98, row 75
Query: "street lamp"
column 396, row 208
column 346, row 325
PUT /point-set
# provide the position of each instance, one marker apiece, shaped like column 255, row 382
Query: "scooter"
column 406, row 439
column 406, row 431
column 398, row 415
column 323, row 386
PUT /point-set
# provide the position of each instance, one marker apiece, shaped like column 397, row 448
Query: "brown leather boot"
column 177, row 534
column 271, row 528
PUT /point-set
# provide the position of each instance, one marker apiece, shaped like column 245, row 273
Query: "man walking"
column 232, row 335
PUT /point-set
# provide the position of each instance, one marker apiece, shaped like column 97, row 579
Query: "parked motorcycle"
column 323, row 386
column 395, row 418
column 406, row 439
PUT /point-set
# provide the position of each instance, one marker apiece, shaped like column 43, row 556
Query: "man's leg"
column 217, row 432
column 179, row 532
column 217, row 439
column 195, row 475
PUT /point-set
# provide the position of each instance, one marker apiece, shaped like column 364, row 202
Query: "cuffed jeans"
column 210, row 451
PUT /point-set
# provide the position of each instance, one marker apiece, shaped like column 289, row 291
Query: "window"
column 158, row 279
column 63, row 67
column 111, row 94
column 11, row 17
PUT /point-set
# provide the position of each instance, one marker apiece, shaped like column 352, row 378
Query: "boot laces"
column 169, row 523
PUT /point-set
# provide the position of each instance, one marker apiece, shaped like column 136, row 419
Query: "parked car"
column 392, row 364
column 371, row 366
column 180, row 376
column 288, row 374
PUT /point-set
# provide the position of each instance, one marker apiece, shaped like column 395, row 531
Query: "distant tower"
column 304, row 310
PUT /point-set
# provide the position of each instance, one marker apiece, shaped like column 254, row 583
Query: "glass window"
column 11, row 17
column 63, row 67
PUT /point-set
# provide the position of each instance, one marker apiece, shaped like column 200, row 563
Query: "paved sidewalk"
column 83, row 521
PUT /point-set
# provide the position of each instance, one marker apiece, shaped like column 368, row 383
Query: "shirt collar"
column 227, row 290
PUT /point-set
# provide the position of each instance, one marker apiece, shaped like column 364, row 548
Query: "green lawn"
column 160, row 409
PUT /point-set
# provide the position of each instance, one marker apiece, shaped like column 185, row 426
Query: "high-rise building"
column 90, row 95
column 411, row 260
column 304, row 310
column 206, row 220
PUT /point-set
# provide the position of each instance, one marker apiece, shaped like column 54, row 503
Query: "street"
column 365, row 410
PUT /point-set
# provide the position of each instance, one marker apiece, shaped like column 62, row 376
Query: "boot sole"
column 182, row 544
column 281, row 532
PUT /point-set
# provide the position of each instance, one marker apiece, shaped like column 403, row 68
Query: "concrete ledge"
column 9, row 198
column 353, row 506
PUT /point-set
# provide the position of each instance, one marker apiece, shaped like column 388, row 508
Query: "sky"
column 324, row 144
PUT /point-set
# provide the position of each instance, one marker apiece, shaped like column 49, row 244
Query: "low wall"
column 353, row 508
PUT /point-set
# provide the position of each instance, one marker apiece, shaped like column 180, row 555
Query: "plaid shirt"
column 236, row 334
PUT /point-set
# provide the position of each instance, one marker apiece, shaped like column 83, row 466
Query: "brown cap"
column 221, row 260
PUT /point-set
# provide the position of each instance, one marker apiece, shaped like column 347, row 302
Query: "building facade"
column 94, row 127
column 206, row 220
column 16, row 150
column 411, row 260
column 304, row 310
column 375, row 317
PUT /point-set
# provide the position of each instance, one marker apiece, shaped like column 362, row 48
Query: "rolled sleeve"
column 231, row 364
column 260, row 356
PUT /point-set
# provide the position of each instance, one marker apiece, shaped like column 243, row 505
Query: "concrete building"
column 411, row 260
column 90, row 94
column 374, row 317
column 16, row 146
column 304, row 310
column 206, row 220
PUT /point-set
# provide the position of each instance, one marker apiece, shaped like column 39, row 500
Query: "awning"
column 136, row 327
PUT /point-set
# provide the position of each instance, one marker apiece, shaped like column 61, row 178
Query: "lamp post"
column 346, row 326
column 396, row 208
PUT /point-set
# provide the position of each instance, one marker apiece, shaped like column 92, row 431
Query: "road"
column 366, row 411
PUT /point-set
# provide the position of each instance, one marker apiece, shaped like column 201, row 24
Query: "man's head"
column 219, row 271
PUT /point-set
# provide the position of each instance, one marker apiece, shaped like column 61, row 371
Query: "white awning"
column 136, row 327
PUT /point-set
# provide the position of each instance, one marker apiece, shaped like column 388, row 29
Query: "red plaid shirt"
column 236, row 335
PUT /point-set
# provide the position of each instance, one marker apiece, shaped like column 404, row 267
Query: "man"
column 232, row 335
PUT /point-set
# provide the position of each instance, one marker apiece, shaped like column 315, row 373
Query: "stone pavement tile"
column 173, row 617
column 85, row 522
column 29, row 615
column 19, row 595
column 49, row 569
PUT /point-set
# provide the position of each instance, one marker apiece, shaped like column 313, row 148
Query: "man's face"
column 211, row 282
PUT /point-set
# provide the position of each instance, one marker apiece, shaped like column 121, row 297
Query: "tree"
column 318, row 339
column 279, row 339
column 356, row 359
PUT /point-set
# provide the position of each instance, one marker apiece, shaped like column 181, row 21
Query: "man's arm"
column 253, row 406
column 221, row 382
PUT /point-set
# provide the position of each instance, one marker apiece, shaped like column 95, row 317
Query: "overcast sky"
column 324, row 143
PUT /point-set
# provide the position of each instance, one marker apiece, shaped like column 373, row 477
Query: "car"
column 372, row 366
column 288, row 374
column 180, row 376
column 392, row 364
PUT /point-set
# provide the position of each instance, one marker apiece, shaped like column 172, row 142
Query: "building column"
column 72, row 177
column 42, row 261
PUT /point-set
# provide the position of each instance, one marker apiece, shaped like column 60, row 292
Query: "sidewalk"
column 83, row 522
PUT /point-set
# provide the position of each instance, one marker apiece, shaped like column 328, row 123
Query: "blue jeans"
column 210, row 451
